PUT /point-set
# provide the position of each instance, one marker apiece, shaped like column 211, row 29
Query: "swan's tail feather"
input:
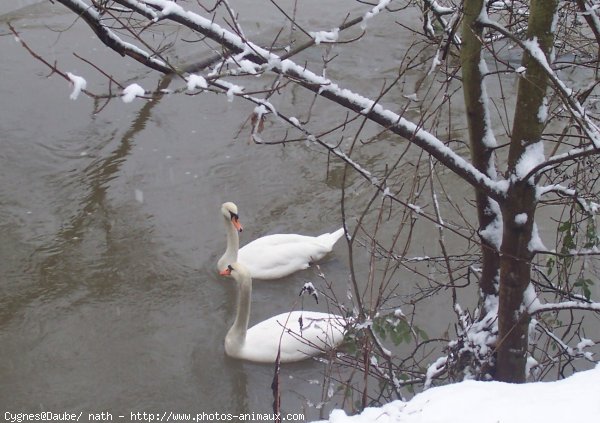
column 331, row 238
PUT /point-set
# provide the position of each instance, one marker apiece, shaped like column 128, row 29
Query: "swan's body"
column 273, row 256
column 319, row 331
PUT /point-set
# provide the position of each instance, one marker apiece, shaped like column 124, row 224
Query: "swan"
column 273, row 256
column 260, row 343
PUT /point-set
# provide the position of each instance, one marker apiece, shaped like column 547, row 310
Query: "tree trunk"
column 481, row 139
column 515, row 271
column 515, row 274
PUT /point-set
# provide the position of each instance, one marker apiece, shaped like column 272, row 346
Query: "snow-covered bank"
column 574, row 400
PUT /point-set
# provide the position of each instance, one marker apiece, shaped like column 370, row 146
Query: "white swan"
column 273, row 256
column 319, row 331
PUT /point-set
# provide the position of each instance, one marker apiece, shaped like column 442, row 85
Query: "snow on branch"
column 438, row 9
column 93, row 18
column 325, row 36
column 435, row 369
column 576, row 109
column 131, row 92
column 374, row 11
column 439, row 12
column 576, row 352
column 139, row 7
column 573, row 154
column 264, row 107
column 79, row 84
column 570, row 102
column 590, row 14
column 589, row 207
column 555, row 188
column 566, row 305
column 533, row 305
column 165, row 9
column 196, row 81
column 532, row 157
column 476, row 339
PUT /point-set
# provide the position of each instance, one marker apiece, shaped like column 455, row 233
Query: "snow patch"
column 584, row 343
column 170, row 7
column 131, row 92
column 488, row 138
column 531, row 157
column 530, row 299
column 435, row 62
column 78, row 83
column 260, row 110
column 429, row 31
column 542, row 114
column 535, row 243
column 521, row 219
column 413, row 207
column 483, row 17
column 325, row 36
column 196, row 81
column 531, row 364
column 233, row 90
column 476, row 401
column 440, row 10
column 249, row 67
column 374, row 11
column 492, row 233
column 433, row 370
column 540, row 191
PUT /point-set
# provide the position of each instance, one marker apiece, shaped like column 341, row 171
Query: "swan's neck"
column 236, row 335
column 233, row 245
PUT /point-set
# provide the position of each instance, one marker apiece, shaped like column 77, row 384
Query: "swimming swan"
column 272, row 256
column 260, row 343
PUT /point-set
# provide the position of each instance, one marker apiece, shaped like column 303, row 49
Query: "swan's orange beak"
column 225, row 272
column 236, row 224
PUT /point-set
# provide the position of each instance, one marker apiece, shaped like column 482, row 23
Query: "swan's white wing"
column 320, row 332
column 276, row 256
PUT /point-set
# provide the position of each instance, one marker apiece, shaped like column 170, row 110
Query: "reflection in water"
column 239, row 388
column 95, row 214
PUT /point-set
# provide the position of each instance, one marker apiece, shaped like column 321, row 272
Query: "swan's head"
column 236, row 270
column 230, row 213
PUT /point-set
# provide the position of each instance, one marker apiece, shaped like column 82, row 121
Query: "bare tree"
column 547, row 156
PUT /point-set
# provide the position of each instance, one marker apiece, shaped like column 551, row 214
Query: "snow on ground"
column 575, row 399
